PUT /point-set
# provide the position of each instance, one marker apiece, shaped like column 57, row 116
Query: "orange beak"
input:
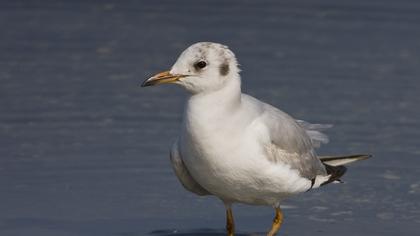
column 162, row 78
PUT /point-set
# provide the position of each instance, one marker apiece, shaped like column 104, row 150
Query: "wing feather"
column 314, row 132
column 183, row 174
column 290, row 143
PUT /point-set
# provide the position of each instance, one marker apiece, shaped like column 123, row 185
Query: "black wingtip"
column 336, row 173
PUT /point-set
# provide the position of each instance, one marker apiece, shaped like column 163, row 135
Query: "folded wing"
column 293, row 142
column 183, row 174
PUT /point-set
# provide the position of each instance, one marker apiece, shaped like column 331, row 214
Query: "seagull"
column 238, row 148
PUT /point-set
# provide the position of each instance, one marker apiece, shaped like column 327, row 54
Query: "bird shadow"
column 197, row 232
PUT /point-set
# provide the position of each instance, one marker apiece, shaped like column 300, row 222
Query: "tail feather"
column 335, row 165
column 343, row 160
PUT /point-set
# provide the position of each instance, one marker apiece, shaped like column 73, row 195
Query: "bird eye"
column 200, row 65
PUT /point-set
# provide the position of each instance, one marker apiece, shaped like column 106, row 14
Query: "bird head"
column 202, row 67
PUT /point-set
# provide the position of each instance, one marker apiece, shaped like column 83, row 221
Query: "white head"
column 202, row 67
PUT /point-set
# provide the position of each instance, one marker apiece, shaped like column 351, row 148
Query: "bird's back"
column 289, row 142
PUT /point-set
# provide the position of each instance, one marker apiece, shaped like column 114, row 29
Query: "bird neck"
column 225, row 99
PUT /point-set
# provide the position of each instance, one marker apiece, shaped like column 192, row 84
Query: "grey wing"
column 314, row 132
column 182, row 173
column 291, row 144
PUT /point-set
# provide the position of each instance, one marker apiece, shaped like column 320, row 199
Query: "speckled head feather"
column 207, row 66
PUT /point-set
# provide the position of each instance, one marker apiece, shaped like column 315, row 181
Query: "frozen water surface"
column 84, row 149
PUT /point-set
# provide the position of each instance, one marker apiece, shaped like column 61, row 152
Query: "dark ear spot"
column 224, row 69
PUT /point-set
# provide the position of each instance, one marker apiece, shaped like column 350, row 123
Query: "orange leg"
column 277, row 221
column 230, row 225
